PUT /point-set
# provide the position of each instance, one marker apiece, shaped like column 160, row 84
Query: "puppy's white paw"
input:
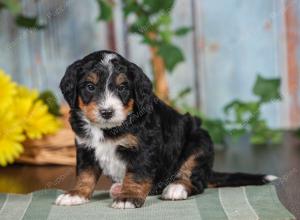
column 68, row 200
column 123, row 205
column 174, row 191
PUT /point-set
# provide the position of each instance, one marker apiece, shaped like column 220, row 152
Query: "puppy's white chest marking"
column 109, row 162
column 105, row 153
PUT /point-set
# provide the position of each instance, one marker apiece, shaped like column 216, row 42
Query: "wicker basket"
column 51, row 149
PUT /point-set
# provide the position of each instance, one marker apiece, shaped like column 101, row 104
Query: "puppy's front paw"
column 129, row 203
column 68, row 200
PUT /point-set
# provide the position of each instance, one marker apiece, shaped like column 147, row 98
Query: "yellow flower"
column 11, row 136
column 33, row 114
column 23, row 93
column 22, row 116
column 7, row 90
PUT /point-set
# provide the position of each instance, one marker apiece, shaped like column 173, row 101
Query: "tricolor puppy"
column 125, row 132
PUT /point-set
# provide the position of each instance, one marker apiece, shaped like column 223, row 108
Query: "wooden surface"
column 283, row 160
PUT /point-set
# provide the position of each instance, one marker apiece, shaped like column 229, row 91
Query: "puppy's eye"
column 122, row 87
column 90, row 87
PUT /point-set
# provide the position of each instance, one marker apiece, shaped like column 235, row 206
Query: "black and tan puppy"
column 125, row 132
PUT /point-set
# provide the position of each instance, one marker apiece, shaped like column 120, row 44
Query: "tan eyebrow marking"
column 121, row 78
column 93, row 77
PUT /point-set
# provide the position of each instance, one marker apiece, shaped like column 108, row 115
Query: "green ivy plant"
column 152, row 22
column 243, row 117
column 246, row 116
column 14, row 7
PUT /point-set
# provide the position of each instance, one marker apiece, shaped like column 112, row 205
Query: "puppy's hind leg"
column 183, row 186
column 195, row 169
column 191, row 178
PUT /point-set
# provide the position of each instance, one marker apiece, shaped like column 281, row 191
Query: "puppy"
column 125, row 132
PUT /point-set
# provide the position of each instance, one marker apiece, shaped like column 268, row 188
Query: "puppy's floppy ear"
column 143, row 93
column 68, row 84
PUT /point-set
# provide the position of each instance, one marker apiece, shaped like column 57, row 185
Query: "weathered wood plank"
column 292, row 23
column 239, row 39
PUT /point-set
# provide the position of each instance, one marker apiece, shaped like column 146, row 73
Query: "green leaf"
column 166, row 35
column 267, row 89
column 184, row 92
column 105, row 10
column 243, row 112
column 50, row 100
column 164, row 19
column 147, row 40
column 141, row 25
column 130, row 6
column 158, row 5
column 28, row 22
column 257, row 139
column 216, row 130
column 182, row 31
column 237, row 133
column 231, row 105
column 14, row 6
column 171, row 55
column 262, row 134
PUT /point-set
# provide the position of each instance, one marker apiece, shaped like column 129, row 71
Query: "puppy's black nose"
column 107, row 113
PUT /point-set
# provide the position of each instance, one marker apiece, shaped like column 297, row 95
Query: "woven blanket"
column 241, row 203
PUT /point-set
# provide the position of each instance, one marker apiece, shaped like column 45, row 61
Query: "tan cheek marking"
column 81, row 104
column 89, row 110
column 132, row 188
column 128, row 107
column 85, row 183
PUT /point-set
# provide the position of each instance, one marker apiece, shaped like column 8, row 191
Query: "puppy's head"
column 106, row 88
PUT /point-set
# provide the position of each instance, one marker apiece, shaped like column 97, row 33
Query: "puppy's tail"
column 219, row 179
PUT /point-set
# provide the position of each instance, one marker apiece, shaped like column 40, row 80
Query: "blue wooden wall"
column 241, row 39
column 233, row 41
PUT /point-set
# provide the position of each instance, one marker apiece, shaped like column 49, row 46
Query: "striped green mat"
column 242, row 203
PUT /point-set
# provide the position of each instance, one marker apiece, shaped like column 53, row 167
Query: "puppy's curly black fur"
column 124, row 131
